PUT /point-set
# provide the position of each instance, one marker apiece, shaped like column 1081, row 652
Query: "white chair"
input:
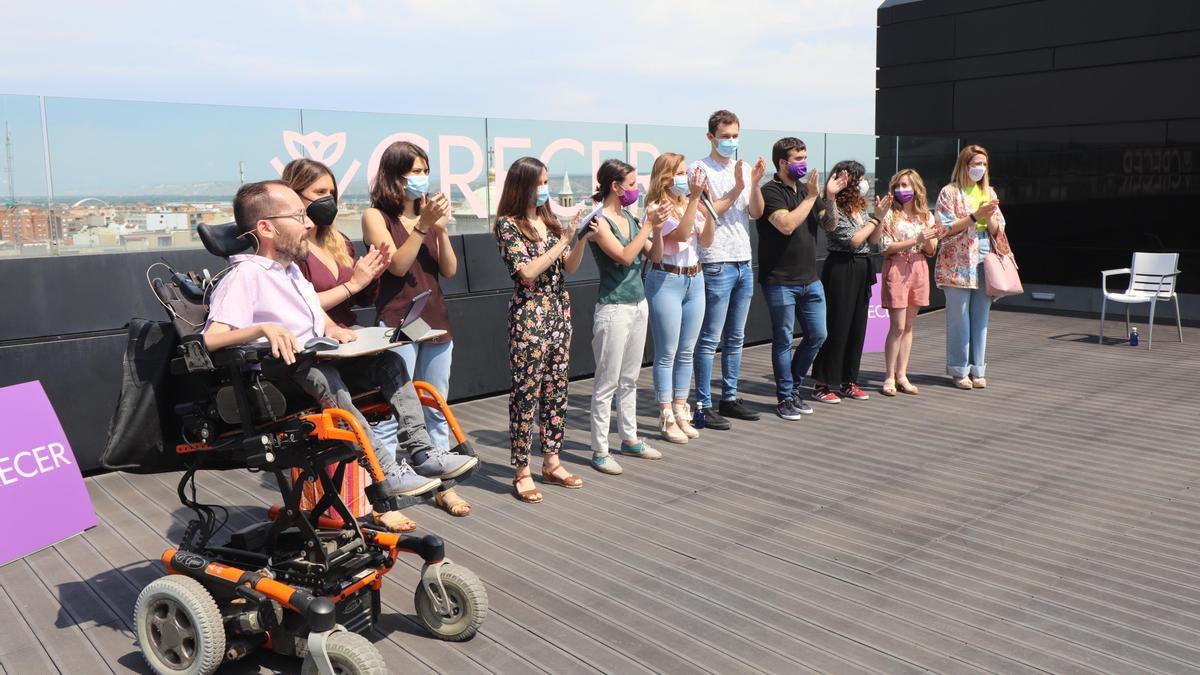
column 1151, row 278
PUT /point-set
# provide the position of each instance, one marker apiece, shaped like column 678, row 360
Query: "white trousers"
column 618, row 343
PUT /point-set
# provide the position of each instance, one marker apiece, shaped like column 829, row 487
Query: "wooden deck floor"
column 1050, row 523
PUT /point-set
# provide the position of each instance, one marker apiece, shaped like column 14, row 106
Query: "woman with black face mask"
column 342, row 279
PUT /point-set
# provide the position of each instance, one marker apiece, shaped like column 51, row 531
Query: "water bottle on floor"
column 1133, row 338
column 698, row 417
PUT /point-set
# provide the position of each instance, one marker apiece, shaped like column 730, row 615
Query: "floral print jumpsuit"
column 539, row 343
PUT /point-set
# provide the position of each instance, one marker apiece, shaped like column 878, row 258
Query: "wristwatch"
column 973, row 218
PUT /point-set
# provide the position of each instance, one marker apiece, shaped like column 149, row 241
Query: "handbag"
column 1001, row 273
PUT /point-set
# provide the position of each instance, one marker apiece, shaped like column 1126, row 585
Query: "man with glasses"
column 266, row 298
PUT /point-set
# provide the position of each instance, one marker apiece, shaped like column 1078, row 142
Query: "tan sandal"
column 393, row 521
column 568, row 481
column 889, row 387
column 669, row 427
column 683, row 419
column 533, row 496
column 979, row 382
column 907, row 387
column 963, row 383
column 456, row 506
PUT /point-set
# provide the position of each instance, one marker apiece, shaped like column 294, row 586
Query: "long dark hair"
column 520, row 193
column 850, row 199
column 300, row 174
column 611, row 170
column 387, row 194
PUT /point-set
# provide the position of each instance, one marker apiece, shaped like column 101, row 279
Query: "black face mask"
column 322, row 211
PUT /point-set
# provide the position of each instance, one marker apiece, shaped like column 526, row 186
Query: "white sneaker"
column 606, row 464
column 640, row 449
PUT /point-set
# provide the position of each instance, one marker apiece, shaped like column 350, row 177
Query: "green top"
column 619, row 285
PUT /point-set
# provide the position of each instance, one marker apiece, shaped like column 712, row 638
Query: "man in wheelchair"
column 265, row 298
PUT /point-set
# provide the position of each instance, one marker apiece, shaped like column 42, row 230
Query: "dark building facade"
column 1090, row 110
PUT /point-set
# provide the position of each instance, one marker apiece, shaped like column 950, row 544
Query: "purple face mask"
column 797, row 170
column 903, row 195
column 629, row 196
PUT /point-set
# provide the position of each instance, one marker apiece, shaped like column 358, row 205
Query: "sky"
column 799, row 65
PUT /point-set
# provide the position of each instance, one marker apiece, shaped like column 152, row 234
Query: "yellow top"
column 975, row 197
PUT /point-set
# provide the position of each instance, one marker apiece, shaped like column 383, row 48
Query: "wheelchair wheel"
column 179, row 627
column 468, row 605
column 350, row 654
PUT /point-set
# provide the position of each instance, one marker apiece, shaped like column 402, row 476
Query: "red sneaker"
column 851, row 390
column 824, row 394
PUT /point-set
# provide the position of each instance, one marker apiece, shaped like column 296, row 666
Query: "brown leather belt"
column 685, row 271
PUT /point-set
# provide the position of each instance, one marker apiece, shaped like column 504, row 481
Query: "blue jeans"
column 967, row 312
column 430, row 363
column 785, row 302
column 728, row 289
column 676, row 311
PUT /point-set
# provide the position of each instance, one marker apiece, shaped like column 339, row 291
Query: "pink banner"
column 42, row 496
column 877, row 321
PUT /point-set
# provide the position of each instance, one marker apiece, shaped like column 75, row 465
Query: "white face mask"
column 863, row 187
column 976, row 172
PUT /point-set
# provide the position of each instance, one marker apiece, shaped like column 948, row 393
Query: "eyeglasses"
column 299, row 216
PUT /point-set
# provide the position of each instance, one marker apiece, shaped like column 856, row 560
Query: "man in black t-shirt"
column 787, row 266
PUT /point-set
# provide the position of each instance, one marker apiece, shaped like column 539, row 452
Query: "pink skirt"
column 905, row 281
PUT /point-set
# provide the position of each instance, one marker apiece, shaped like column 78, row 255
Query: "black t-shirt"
column 787, row 259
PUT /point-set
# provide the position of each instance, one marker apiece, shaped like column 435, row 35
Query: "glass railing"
column 86, row 176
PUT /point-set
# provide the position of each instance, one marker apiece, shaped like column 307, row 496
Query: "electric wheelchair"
column 304, row 582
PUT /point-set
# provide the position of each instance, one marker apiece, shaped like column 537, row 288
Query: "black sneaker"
column 714, row 421
column 787, row 410
column 799, row 405
column 738, row 410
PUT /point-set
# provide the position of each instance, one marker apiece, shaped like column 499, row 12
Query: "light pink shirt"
column 260, row 290
column 682, row 253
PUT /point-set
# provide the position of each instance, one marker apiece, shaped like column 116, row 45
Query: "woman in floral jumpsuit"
column 535, row 251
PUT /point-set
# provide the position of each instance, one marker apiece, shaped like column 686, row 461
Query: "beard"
column 294, row 248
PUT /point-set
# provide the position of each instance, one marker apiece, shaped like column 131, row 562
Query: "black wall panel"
column 917, row 110
column 1052, row 23
column 916, row 41
column 1148, row 48
column 458, row 283
column 1088, row 110
column 1121, row 93
column 909, row 10
column 82, row 378
column 959, row 69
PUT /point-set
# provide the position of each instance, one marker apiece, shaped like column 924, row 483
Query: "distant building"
column 565, row 196
column 24, row 225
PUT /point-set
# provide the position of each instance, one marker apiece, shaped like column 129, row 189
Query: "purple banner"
column 877, row 321
column 42, row 496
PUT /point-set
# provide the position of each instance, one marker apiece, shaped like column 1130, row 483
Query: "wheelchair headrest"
column 223, row 240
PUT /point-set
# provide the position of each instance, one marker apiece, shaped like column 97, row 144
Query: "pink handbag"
column 1001, row 273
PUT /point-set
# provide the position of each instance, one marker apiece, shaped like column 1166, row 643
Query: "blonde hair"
column 300, row 174
column 960, row 176
column 920, row 196
column 662, row 179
